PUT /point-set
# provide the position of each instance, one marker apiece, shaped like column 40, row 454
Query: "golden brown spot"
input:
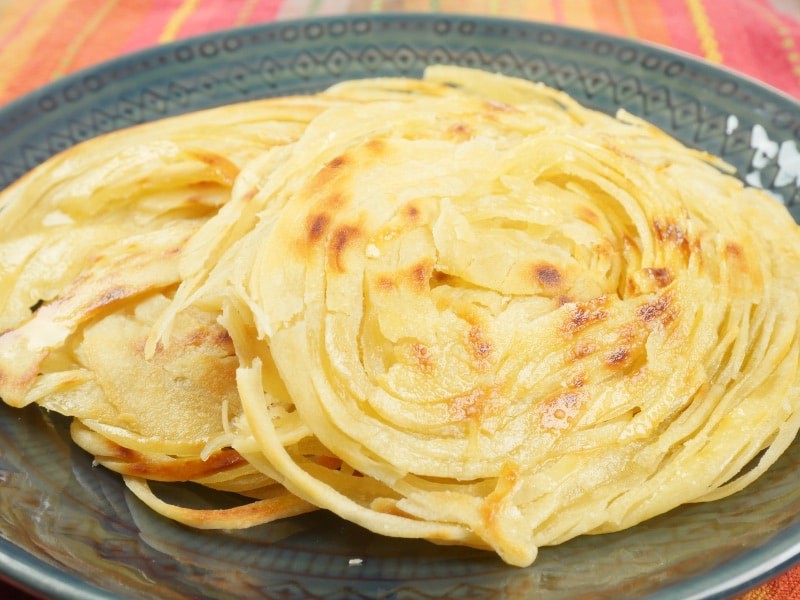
column 617, row 357
column 326, row 175
column 497, row 106
column 420, row 274
column 581, row 351
column 177, row 469
column 547, row 275
column 412, row 212
column 629, row 332
column 660, row 275
column 249, row 194
column 733, row 249
column 584, row 314
column 588, row 215
column 221, row 165
column 480, row 346
column 472, row 405
column 195, row 338
column 439, row 278
column 376, row 147
column 340, row 239
column 385, row 284
column 223, row 338
column 577, row 381
column 337, row 163
column 736, row 256
column 423, row 357
column 563, row 299
column 316, row 225
column 110, row 296
column 335, row 200
column 559, row 412
column 667, row 231
column 461, row 131
column 656, row 308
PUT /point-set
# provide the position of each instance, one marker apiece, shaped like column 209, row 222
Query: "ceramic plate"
column 70, row 530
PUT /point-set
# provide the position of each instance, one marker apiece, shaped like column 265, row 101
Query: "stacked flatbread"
column 464, row 309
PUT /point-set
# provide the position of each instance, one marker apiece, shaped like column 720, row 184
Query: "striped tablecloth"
column 41, row 40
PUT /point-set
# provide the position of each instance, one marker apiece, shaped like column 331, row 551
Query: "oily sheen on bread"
column 464, row 308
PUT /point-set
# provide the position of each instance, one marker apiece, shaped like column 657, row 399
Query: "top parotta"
column 464, row 309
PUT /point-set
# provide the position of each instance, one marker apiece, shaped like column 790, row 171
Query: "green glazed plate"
column 70, row 530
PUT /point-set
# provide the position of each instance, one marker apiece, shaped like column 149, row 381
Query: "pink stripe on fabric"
column 679, row 24
column 152, row 25
column 265, row 11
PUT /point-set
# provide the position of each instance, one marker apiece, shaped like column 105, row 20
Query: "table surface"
column 760, row 38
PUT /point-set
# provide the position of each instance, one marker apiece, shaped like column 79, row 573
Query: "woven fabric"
column 41, row 40
column 760, row 38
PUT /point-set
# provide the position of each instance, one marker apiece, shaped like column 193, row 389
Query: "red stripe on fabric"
column 264, row 11
column 44, row 60
column 152, row 25
column 649, row 21
column 679, row 25
column 110, row 37
column 748, row 42
column 211, row 16
column 608, row 18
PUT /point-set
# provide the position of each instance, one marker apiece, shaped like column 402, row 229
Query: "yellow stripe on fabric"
column 627, row 18
column 578, row 13
column 540, row 11
column 14, row 16
column 25, row 43
column 705, row 32
column 91, row 25
column 177, row 19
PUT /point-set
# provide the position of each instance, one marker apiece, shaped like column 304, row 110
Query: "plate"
column 70, row 530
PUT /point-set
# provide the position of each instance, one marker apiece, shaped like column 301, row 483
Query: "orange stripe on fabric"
column 94, row 21
column 109, row 39
column 15, row 18
column 705, row 32
column 607, row 17
column 177, row 19
column 27, row 53
column 539, row 11
column 649, row 21
column 153, row 23
column 577, row 13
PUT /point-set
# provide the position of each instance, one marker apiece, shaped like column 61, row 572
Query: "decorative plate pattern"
column 70, row 530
